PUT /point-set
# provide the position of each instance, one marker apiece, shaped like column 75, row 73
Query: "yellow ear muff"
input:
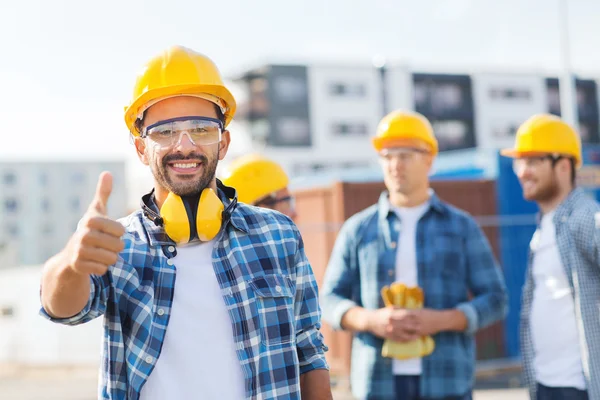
column 183, row 221
column 209, row 215
column 176, row 221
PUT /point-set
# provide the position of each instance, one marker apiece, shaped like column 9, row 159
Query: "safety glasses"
column 403, row 154
column 201, row 131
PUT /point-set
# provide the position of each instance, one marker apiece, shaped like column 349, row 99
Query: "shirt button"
column 149, row 359
column 278, row 289
column 170, row 262
column 391, row 272
column 171, row 249
column 393, row 245
column 160, row 312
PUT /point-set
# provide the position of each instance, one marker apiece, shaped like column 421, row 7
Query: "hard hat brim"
column 382, row 143
column 131, row 112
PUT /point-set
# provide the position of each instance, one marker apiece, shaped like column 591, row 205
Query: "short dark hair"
column 139, row 123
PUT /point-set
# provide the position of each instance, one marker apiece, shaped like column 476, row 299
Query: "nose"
column 184, row 143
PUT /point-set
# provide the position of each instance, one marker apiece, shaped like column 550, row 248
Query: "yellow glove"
column 398, row 295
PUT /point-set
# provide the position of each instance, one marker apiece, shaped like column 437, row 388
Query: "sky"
column 67, row 68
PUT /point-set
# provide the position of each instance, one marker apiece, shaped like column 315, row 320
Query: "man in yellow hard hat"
column 415, row 240
column 560, row 319
column 202, row 297
column 261, row 182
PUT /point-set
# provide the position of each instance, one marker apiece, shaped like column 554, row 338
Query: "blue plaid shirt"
column 267, row 285
column 577, row 222
column 454, row 260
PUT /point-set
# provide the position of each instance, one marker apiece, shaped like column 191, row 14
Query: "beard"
column 187, row 184
column 544, row 192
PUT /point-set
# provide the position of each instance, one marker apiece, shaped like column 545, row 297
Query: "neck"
column 551, row 204
column 161, row 193
column 409, row 200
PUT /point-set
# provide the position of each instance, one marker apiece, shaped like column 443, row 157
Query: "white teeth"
column 187, row 165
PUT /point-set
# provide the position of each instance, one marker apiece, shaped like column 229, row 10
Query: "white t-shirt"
column 557, row 359
column 198, row 358
column 406, row 269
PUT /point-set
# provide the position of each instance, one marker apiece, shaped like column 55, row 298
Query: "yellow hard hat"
column 178, row 71
column 546, row 133
column 254, row 177
column 405, row 128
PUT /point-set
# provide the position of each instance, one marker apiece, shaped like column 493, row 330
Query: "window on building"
column 349, row 128
column 45, row 204
column 451, row 133
column 352, row 165
column 7, row 311
column 293, row 130
column 11, row 205
column 43, row 179
column 440, row 97
column 12, row 230
column 75, row 203
column 509, row 93
column 504, row 130
column 290, row 89
column 553, row 100
column 585, row 131
column 9, row 178
column 47, row 229
column 258, row 85
column 347, row 89
column 260, row 129
column 78, row 178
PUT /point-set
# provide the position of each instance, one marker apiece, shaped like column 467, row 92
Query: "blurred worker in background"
column 261, row 182
column 413, row 237
column 560, row 318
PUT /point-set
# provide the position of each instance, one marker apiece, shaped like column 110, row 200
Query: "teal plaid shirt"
column 453, row 259
column 267, row 284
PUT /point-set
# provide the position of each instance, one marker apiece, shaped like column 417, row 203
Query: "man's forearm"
column 452, row 320
column 64, row 291
column 356, row 319
column 315, row 385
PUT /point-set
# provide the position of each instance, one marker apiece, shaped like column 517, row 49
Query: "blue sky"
column 67, row 67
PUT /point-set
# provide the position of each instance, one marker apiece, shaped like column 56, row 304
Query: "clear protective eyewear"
column 521, row 163
column 201, row 131
column 270, row 202
column 403, row 154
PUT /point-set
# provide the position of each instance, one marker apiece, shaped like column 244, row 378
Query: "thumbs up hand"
column 97, row 243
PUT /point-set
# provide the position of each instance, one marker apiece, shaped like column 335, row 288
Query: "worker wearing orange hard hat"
column 401, row 274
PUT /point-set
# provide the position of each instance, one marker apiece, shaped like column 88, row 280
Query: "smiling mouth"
column 185, row 167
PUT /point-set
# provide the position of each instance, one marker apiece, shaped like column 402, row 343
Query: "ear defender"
column 209, row 215
column 189, row 217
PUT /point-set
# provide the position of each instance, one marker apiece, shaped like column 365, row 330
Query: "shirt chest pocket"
column 274, row 296
column 450, row 255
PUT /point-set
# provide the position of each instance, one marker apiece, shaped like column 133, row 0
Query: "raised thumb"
column 103, row 190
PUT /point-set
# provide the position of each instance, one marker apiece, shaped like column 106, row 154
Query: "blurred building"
column 28, row 339
column 41, row 203
column 319, row 118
